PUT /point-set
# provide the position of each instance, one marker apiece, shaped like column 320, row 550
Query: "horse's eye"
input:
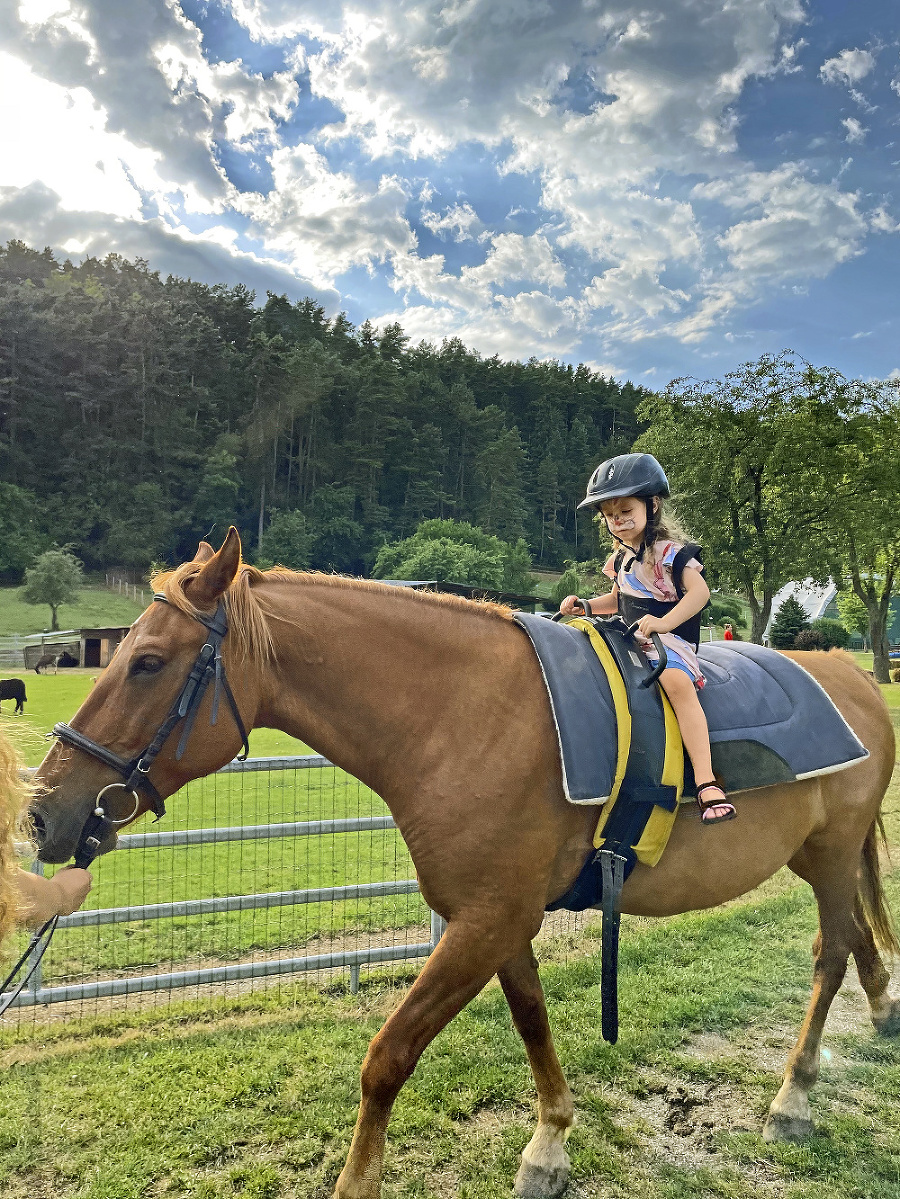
column 148, row 664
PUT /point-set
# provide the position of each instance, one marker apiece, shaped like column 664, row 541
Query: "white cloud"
column 856, row 132
column 325, row 221
column 850, row 66
column 459, row 221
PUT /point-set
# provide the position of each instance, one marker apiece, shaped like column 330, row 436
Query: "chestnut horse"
column 439, row 706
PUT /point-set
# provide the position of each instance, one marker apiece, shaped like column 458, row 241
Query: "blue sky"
column 657, row 190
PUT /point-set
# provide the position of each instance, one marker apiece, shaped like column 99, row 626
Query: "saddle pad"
column 769, row 720
column 583, row 707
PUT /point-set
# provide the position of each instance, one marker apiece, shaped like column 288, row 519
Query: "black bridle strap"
column 208, row 665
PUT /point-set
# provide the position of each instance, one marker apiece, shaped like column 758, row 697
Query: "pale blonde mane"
column 14, row 794
column 249, row 617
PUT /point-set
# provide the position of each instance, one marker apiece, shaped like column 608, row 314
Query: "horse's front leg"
column 544, row 1171
column 466, row 958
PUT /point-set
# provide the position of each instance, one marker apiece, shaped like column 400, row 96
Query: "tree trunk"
column 54, row 622
column 262, row 509
column 878, row 634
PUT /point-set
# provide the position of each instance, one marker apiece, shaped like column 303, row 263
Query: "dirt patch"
column 680, row 1123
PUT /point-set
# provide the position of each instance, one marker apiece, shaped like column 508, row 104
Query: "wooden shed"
column 98, row 645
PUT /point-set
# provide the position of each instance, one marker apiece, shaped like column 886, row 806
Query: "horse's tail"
column 871, row 891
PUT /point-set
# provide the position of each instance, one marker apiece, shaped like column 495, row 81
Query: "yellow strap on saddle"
column 658, row 828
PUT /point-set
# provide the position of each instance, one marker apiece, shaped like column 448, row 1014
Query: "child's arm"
column 57, row 896
column 601, row 605
column 696, row 593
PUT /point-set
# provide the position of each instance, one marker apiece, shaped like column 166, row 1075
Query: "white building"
column 814, row 598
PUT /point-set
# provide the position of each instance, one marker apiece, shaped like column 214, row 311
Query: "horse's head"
column 132, row 701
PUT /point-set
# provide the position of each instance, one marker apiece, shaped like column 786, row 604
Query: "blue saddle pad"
column 769, row 720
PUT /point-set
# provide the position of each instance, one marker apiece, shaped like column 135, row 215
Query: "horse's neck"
column 360, row 673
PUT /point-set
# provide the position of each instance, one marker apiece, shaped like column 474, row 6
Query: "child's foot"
column 717, row 808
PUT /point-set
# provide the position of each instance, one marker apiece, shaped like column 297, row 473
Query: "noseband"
column 207, row 666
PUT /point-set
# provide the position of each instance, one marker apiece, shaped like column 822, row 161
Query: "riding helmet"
column 626, row 474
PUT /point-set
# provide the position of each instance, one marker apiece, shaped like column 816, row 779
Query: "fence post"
column 438, row 925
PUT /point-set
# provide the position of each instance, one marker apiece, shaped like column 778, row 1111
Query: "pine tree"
column 788, row 621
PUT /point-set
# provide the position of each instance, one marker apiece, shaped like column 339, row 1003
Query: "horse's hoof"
column 889, row 1024
column 535, row 1182
column 787, row 1128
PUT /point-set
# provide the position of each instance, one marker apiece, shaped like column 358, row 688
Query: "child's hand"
column 651, row 624
column 571, row 606
column 73, row 885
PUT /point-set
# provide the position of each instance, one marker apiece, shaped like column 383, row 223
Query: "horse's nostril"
column 40, row 829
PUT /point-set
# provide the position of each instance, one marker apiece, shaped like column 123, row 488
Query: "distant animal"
column 14, row 689
column 44, row 663
column 66, row 659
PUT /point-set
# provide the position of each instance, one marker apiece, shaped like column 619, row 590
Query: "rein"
column 207, row 666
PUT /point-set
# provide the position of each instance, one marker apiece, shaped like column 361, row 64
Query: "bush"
column 455, row 552
column 809, row 639
column 833, row 633
column 895, row 675
column 584, row 579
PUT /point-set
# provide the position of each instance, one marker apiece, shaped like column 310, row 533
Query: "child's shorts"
column 676, row 662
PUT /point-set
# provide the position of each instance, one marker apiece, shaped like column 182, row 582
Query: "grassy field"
column 96, row 608
column 254, row 1097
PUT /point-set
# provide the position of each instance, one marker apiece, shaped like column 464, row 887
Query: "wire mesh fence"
column 269, row 871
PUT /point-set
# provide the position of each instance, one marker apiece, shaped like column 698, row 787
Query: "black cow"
column 14, row 689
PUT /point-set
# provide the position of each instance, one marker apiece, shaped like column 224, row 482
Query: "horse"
column 45, row 662
column 14, row 689
column 438, row 704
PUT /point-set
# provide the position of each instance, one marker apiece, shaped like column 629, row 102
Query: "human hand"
column 571, row 606
column 73, row 885
column 651, row 624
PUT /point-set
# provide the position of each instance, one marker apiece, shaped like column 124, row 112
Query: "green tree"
column 287, row 541
column 865, row 543
column 456, row 552
column 790, row 619
column 54, row 579
column 853, row 613
column 758, row 462
column 21, row 536
column 832, row 633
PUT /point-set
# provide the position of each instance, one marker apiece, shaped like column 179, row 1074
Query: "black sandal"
column 706, row 804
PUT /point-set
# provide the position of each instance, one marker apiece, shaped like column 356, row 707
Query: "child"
column 655, row 586
column 28, row 898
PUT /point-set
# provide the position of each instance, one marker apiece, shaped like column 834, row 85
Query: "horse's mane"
column 249, row 616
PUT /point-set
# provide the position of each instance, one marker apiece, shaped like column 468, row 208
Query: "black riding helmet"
column 626, row 474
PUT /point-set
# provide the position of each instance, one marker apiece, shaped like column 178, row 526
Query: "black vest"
column 632, row 607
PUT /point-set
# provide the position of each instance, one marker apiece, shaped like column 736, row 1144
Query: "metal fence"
column 20, row 651
column 343, row 957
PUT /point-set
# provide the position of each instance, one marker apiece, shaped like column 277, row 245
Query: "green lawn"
column 96, row 608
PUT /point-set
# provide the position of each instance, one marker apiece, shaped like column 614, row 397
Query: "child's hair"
column 14, row 794
column 662, row 525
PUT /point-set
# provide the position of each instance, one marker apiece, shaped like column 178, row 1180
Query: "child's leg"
column 682, row 693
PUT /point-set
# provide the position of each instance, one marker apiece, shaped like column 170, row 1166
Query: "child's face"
column 626, row 518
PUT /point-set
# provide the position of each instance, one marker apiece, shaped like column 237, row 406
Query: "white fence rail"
column 352, row 959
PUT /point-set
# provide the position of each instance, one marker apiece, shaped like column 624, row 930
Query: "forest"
column 139, row 414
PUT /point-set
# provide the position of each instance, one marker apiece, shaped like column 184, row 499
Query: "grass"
column 96, row 608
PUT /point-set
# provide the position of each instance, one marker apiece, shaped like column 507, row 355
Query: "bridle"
column 207, row 666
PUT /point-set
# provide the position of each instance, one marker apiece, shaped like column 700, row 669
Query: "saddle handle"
column 629, row 630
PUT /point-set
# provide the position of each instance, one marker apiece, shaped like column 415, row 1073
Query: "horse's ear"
column 217, row 573
column 204, row 552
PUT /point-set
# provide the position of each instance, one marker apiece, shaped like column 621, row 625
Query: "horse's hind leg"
column 544, row 1171
column 833, row 877
column 874, row 978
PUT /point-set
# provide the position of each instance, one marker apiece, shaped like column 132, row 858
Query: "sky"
column 658, row 190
